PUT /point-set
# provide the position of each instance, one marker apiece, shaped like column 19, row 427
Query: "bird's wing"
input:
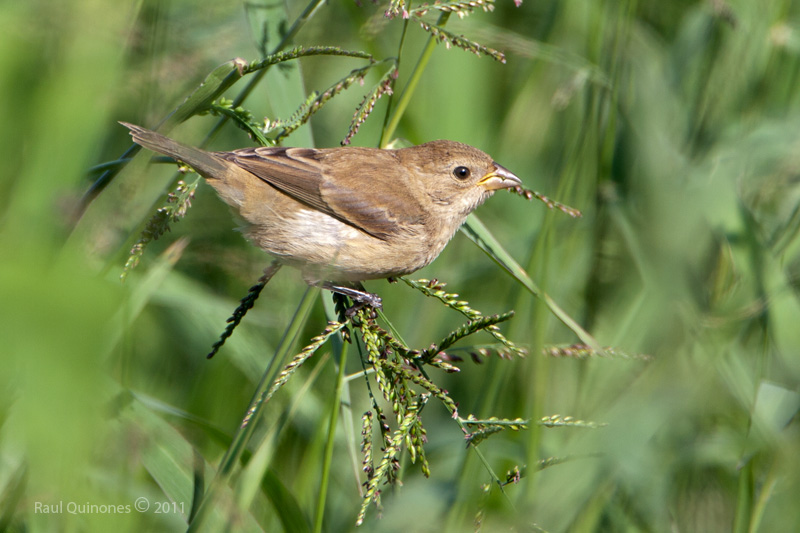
column 365, row 189
column 294, row 171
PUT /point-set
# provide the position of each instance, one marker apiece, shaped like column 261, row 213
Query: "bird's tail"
column 207, row 164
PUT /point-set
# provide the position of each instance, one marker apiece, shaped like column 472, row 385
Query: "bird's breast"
column 322, row 230
column 326, row 248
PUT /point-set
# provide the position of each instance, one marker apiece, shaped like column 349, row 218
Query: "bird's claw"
column 373, row 301
column 361, row 298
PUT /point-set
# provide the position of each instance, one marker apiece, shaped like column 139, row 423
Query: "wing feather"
column 374, row 198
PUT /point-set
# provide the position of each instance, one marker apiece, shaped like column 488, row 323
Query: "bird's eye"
column 461, row 173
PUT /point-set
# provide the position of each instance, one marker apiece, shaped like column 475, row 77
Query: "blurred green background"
column 674, row 127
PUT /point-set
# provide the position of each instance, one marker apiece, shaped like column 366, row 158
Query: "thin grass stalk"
column 388, row 115
column 327, row 460
column 768, row 488
column 304, row 17
column 245, row 432
column 744, row 500
column 408, row 91
column 467, row 469
column 480, row 235
column 538, row 394
column 466, row 477
column 255, row 474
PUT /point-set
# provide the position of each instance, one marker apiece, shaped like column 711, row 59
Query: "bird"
column 348, row 214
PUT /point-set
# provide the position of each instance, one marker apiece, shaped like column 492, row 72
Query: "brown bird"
column 345, row 215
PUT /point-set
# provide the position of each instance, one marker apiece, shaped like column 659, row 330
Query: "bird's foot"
column 361, row 298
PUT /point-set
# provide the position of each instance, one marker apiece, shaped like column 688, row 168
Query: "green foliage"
column 662, row 322
column 177, row 203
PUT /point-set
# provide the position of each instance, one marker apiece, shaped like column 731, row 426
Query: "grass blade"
column 480, row 235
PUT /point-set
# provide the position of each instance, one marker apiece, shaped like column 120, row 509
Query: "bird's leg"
column 356, row 292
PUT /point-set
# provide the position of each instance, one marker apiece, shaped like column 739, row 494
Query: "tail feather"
column 207, row 164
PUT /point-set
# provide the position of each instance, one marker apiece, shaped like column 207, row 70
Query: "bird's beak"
column 499, row 178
